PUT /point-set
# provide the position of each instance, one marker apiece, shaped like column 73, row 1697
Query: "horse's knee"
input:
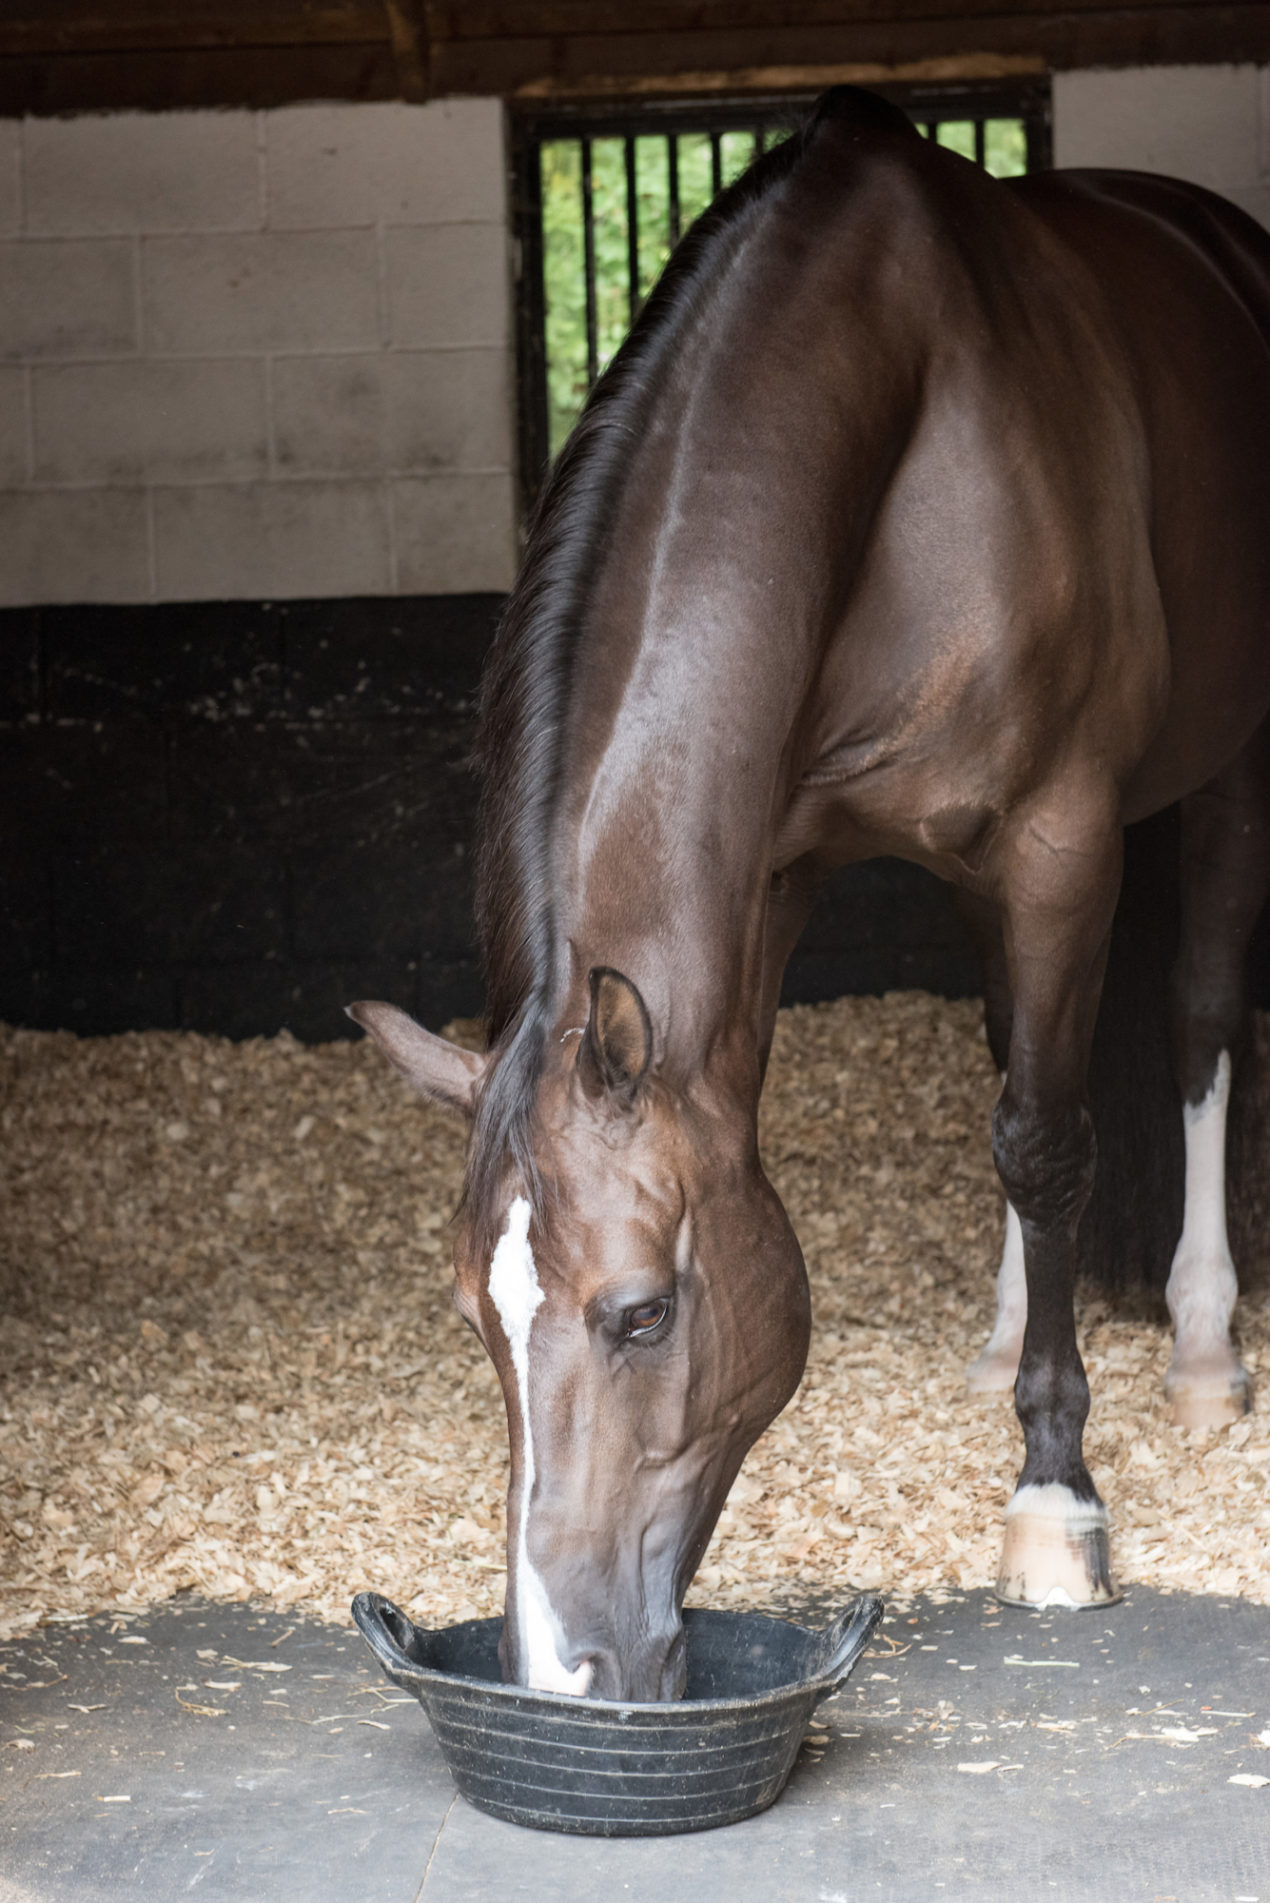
column 1045, row 1159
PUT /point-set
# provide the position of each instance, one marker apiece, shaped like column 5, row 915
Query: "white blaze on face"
column 517, row 1295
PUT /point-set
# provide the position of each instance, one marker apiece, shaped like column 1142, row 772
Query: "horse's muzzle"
column 653, row 1673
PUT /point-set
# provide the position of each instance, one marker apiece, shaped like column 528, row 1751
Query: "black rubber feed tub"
column 604, row 1769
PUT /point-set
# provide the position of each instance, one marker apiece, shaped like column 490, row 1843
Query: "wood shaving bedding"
column 231, row 1365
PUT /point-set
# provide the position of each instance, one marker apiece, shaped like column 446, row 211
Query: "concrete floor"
column 172, row 1755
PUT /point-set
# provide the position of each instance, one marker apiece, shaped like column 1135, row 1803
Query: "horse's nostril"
column 606, row 1677
column 553, row 1675
column 652, row 1676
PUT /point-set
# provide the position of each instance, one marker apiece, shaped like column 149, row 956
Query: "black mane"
column 525, row 694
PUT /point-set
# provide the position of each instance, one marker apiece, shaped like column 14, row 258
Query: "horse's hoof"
column 1216, row 1393
column 992, row 1372
column 1057, row 1551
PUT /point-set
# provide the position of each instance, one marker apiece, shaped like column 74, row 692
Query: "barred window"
column 602, row 195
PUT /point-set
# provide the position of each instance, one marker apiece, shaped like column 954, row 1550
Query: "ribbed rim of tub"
column 667, row 1712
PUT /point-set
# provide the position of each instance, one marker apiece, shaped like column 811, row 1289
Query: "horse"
column 921, row 514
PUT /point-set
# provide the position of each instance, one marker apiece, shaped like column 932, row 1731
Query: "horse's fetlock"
column 1054, row 1394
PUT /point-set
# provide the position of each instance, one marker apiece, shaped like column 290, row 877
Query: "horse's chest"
column 945, row 819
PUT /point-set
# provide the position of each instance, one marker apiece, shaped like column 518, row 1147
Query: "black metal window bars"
column 601, row 196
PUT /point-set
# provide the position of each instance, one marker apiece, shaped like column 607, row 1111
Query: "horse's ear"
column 441, row 1070
column 617, row 1045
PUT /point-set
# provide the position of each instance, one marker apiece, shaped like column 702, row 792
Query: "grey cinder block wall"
column 1209, row 124
column 256, row 518
column 255, row 354
column 248, row 354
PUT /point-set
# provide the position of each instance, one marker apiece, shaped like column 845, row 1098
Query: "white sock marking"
column 1054, row 1501
column 1005, row 1343
column 517, row 1295
column 1202, row 1285
column 1011, row 1322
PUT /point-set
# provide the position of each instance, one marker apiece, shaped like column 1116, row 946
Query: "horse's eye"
column 643, row 1320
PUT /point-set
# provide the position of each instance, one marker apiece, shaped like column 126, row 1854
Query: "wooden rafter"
column 409, row 45
column 57, row 55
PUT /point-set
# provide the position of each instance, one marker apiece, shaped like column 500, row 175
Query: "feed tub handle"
column 395, row 1640
column 845, row 1640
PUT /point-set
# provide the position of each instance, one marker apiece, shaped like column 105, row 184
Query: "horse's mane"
column 526, row 690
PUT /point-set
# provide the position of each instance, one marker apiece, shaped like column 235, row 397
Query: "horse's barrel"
column 601, row 1768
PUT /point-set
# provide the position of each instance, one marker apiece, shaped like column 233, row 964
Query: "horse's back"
column 1182, row 216
column 1185, row 279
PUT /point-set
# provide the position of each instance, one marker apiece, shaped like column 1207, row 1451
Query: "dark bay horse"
column 921, row 514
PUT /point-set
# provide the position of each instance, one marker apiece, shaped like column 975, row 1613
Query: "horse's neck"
column 665, row 861
column 680, row 761
column 743, row 516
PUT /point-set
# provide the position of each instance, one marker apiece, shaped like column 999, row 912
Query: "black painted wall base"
column 234, row 817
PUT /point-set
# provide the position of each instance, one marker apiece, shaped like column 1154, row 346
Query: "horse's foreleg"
column 1225, row 876
column 1060, row 882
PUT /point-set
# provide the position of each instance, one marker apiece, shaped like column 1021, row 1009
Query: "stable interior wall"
column 250, row 355
column 256, row 520
column 255, row 354
column 1208, row 124
column 237, row 817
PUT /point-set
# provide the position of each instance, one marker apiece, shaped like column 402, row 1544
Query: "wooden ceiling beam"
column 1055, row 39
column 35, row 27
column 458, row 20
column 169, row 81
column 408, row 38
column 95, row 55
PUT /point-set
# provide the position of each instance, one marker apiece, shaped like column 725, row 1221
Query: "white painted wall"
column 1209, row 124
column 252, row 355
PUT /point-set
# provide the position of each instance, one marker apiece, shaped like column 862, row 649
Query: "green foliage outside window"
column 563, row 235
column 1004, row 144
column 563, row 243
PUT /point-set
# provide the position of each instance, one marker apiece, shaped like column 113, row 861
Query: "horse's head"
column 647, row 1312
